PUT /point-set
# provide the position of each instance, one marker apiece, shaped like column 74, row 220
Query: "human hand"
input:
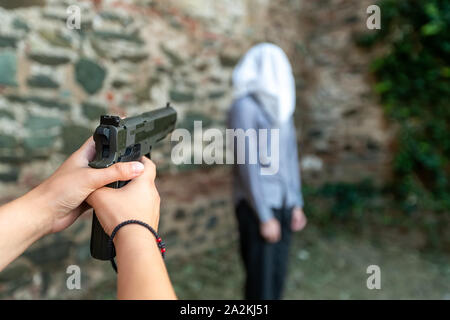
column 137, row 200
column 299, row 220
column 271, row 230
column 63, row 195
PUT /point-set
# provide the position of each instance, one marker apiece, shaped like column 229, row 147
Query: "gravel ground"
column 326, row 265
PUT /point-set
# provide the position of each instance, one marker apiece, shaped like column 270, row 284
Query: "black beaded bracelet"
column 161, row 244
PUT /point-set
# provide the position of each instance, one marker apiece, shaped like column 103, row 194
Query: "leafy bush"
column 342, row 202
column 413, row 80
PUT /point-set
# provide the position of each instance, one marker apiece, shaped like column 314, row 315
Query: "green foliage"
column 344, row 202
column 349, row 200
column 413, row 80
column 363, row 206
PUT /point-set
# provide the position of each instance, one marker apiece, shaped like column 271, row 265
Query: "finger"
column 149, row 173
column 278, row 234
column 272, row 239
column 150, row 167
column 82, row 208
column 99, row 195
column 304, row 223
column 122, row 171
column 86, row 152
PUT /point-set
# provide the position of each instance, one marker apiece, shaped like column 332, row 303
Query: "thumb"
column 121, row 171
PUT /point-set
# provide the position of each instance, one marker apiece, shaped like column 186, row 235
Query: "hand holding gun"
column 124, row 140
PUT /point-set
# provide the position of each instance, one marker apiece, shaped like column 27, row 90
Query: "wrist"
column 134, row 242
column 268, row 221
column 133, row 235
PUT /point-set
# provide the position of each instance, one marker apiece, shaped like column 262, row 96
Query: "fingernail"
column 138, row 167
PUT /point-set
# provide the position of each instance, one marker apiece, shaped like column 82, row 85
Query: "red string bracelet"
column 159, row 242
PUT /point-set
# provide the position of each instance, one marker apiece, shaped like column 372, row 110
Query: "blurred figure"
column 268, row 207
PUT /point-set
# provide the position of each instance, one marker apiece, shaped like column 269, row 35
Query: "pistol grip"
column 99, row 238
column 99, row 241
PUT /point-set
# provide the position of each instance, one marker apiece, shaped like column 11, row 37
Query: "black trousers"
column 265, row 263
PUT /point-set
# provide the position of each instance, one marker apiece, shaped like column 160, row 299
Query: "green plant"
column 413, row 81
column 343, row 202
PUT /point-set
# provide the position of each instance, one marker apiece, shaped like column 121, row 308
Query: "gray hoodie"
column 264, row 192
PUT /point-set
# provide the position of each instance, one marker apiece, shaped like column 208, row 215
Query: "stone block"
column 56, row 39
column 49, row 60
column 8, row 41
column 7, row 141
column 10, row 175
column 114, row 17
column 119, row 84
column 35, row 123
column 211, row 223
column 8, row 4
column 113, row 36
column 216, row 94
column 37, row 143
column 19, row 24
column 8, row 68
column 73, row 137
column 180, row 214
column 93, row 111
column 228, row 61
column 174, row 58
column 51, row 253
column 48, row 102
column 191, row 116
column 89, row 75
column 181, row 96
column 6, row 114
column 134, row 58
column 42, row 81
column 15, row 272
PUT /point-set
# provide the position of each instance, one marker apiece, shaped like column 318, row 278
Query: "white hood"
column 265, row 72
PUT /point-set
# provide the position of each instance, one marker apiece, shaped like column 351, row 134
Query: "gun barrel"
column 159, row 114
column 115, row 138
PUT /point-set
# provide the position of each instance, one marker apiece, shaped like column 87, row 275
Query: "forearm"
column 22, row 221
column 142, row 273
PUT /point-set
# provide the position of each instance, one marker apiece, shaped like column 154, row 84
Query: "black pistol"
column 123, row 140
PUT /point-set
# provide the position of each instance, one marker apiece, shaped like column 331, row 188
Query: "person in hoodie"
column 268, row 205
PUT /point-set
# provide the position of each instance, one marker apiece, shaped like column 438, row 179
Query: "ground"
column 324, row 264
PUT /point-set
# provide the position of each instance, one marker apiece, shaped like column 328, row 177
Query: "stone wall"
column 131, row 56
